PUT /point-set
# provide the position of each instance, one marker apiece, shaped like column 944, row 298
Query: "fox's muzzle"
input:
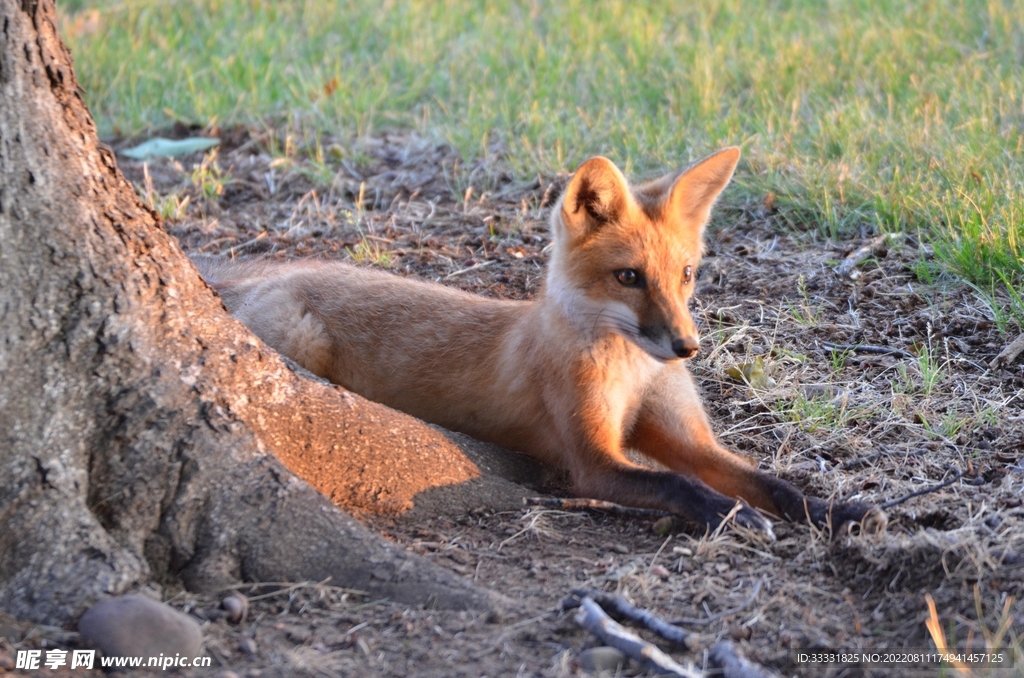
column 685, row 347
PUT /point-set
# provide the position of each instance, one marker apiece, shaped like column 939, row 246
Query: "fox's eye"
column 687, row 275
column 630, row 277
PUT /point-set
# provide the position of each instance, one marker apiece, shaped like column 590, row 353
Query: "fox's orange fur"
column 593, row 366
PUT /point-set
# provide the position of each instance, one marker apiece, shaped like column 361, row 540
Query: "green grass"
column 822, row 413
column 855, row 115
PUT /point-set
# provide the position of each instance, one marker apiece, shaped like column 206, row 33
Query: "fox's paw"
column 853, row 516
column 750, row 519
column 872, row 521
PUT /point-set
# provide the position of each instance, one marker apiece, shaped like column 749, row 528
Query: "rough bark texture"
column 136, row 417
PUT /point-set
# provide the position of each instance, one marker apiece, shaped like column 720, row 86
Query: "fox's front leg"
column 624, row 482
column 599, row 470
column 673, row 429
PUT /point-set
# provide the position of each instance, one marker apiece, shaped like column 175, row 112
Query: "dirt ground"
column 840, row 423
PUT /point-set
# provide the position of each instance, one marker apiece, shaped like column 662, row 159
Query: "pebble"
column 603, row 658
column 663, row 526
column 131, row 626
column 740, row 632
column 299, row 634
column 237, row 607
column 660, row 572
column 248, row 646
column 227, row 674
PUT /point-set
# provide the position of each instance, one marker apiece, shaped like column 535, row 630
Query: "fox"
column 593, row 366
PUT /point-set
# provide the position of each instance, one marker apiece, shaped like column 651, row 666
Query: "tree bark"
column 137, row 419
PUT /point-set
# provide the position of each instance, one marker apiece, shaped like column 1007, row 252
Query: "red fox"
column 595, row 365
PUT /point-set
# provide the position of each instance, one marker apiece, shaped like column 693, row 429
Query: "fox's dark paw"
column 869, row 519
column 872, row 521
column 750, row 519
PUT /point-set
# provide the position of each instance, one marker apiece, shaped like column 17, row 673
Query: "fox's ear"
column 696, row 190
column 596, row 194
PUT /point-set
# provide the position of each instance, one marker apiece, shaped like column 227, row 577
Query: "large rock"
column 133, row 626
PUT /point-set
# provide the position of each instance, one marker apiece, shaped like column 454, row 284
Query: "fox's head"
column 625, row 260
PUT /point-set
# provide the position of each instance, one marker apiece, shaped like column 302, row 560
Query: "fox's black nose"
column 685, row 347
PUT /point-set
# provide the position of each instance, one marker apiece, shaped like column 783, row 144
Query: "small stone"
column 740, row 632
column 132, row 626
column 596, row 659
column 237, row 607
column 248, row 646
column 620, row 548
column 663, row 526
column 226, row 674
column 660, row 572
column 299, row 634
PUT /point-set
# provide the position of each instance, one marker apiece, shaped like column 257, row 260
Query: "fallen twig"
column 847, row 268
column 1009, row 354
column 238, row 248
column 597, row 504
column 474, row 267
column 724, row 657
column 622, row 608
column 946, row 483
column 860, row 461
column 591, row 617
column 868, row 348
column 288, row 589
column 724, row 613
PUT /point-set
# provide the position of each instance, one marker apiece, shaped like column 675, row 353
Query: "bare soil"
column 839, row 423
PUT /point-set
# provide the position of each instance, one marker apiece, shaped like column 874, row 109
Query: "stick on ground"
column 946, row 483
column 861, row 461
column 1009, row 354
column 623, row 609
column 591, row 617
column 867, row 348
column 724, row 657
column 597, row 504
column 848, row 267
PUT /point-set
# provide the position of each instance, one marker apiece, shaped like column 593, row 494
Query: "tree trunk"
column 137, row 419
